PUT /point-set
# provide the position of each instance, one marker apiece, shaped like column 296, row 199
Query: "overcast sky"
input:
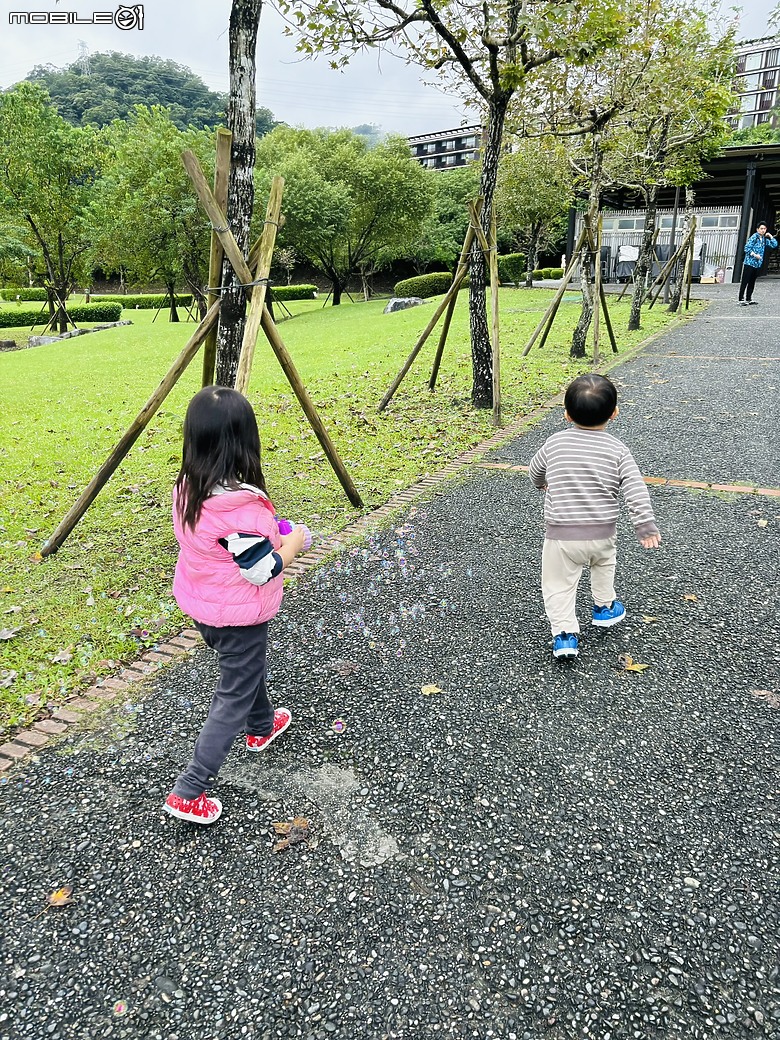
column 376, row 88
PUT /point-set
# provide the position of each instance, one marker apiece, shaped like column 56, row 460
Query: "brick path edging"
column 77, row 707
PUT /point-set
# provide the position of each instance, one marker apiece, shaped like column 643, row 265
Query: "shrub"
column 36, row 294
column 16, row 319
column 293, row 292
column 424, row 285
column 537, row 274
column 511, row 267
column 145, row 301
column 556, row 272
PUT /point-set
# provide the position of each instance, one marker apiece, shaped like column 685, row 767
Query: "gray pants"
column 240, row 702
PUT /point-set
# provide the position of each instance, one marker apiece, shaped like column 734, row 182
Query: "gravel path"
column 537, row 851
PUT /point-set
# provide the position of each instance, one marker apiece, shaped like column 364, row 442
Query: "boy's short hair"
column 590, row 400
column 762, row 223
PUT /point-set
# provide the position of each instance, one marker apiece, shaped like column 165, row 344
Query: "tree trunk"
column 174, row 314
column 481, row 349
column 580, row 334
column 533, row 255
column 679, row 272
column 644, row 261
column 244, row 22
column 338, row 289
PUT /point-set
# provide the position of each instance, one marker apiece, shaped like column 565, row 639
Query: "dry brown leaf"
column 771, row 698
column 294, row 832
column 649, row 620
column 762, row 523
column 428, row 691
column 9, row 633
column 690, row 596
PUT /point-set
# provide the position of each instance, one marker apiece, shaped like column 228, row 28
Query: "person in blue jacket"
column 754, row 259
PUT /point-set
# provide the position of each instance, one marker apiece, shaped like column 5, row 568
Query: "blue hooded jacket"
column 754, row 248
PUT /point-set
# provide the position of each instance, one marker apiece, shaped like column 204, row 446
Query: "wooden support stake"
column 139, row 424
column 690, row 265
column 552, row 310
column 241, row 268
column 451, row 293
column 602, row 298
column 666, row 273
column 221, row 175
column 495, row 332
column 462, row 262
column 596, row 289
column 257, row 302
column 295, row 381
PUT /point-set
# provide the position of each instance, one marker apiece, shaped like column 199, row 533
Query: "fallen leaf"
column 428, row 691
column 294, row 832
column 60, row 896
column 62, row 657
column 691, row 597
column 772, row 698
column 9, row 633
column 762, row 523
column 628, row 664
column 7, row 679
column 12, row 610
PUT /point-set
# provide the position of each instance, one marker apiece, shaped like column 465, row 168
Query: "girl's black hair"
column 221, row 446
column 590, row 399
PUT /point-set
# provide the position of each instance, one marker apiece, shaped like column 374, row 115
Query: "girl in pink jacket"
column 229, row 580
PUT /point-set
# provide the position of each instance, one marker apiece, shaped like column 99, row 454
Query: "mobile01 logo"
column 123, row 18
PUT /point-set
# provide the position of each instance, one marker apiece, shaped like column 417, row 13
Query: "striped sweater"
column 584, row 470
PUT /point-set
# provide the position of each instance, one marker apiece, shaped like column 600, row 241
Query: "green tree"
column 533, row 195
column 345, row 204
column 117, row 82
column 440, row 238
column 47, row 174
column 485, row 52
column 147, row 213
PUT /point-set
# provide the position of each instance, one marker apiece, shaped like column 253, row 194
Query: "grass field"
column 63, row 407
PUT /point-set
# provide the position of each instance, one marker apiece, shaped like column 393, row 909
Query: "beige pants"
column 562, row 565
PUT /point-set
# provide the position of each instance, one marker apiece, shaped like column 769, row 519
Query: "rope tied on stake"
column 239, row 285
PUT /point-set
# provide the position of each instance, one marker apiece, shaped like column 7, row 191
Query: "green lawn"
column 64, row 406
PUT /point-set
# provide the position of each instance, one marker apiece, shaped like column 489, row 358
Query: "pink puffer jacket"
column 208, row 584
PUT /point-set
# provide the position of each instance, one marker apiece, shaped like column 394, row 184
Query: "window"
column 772, row 58
column 741, row 63
column 747, row 83
column 451, row 160
column 766, row 100
column 665, row 222
column 753, row 61
column 768, row 80
column 729, row 221
column 608, row 223
column 430, row 147
column 763, row 117
column 709, row 222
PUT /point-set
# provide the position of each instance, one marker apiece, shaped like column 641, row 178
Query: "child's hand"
column 650, row 541
column 296, row 539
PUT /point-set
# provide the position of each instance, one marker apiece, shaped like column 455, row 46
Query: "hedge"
column 424, row 285
column 511, row 267
column 293, row 292
column 29, row 295
column 15, row 319
column 145, row 301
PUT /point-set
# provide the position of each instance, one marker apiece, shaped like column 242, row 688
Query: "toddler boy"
column 582, row 470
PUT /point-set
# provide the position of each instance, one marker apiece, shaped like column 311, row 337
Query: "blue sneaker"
column 565, row 645
column 614, row 612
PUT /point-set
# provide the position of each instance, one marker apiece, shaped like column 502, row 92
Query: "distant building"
column 758, row 73
column 447, row 149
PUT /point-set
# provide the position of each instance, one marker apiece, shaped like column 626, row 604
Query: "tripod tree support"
column 139, row 424
column 216, row 254
column 242, row 270
column 601, row 296
column 462, row 264
column 664, row 275
column 263, row 270
column 552, row 310
column 689, row 266
column 451, row 293
column 597, row 290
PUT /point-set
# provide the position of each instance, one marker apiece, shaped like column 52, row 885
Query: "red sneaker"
column 282, row 719
column 196, row 810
